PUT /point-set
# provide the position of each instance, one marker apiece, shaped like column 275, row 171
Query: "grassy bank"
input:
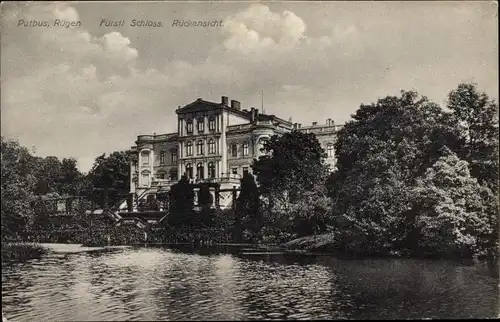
column 310, row 243
column 21, row 251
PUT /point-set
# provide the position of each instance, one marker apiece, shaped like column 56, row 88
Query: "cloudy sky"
column 81, row 92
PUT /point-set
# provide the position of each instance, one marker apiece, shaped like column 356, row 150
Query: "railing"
column 223, row 179
column 239, row 127
column 159, row 137
column 145, row 138
column 318, row 129
column 235, row 178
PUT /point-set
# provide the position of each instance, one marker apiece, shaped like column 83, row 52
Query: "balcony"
column 157, row 137
column 239, row 127
column 161, row 183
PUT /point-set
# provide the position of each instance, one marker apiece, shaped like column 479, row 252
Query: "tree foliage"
column 181, row 204
column 476, row 118
column 248, row 218
column 292, row 166
column 386, row 147
column 18, row 182
column 392, row 153
column 109, row 178
column 452, row 209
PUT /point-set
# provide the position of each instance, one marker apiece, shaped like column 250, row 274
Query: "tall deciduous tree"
column 110, row 176
column 17, row 185
column 452, row 209
column 292, row 165
column 71, row 180
column 380, row 154
column 476, row 118
column 247, row 212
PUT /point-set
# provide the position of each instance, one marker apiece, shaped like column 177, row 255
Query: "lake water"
column 172, row 284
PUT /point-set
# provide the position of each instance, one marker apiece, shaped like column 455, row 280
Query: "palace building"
column 214, row 142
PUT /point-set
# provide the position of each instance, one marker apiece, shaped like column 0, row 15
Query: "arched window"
column 211, row 146
column 262, row 143
column 145, row 158
column 189, row 171
column 199, row 171
column 329, row 150
column 163, row 155
column 201, row 124
column 211, row 123
column 245, row 148
column 211, row 170
column 199, row 147
column 234, row 150
column 189, row 148
column 189, row 126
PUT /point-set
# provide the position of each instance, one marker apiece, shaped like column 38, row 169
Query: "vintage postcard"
column 248, row 160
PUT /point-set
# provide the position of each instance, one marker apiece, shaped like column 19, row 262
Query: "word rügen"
column 44, row 23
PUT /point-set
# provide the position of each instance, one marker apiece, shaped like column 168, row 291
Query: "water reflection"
column 189, row 284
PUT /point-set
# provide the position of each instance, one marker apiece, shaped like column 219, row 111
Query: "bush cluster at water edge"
column 21, row 251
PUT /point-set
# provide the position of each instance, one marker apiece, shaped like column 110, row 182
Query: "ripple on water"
column 157, row 284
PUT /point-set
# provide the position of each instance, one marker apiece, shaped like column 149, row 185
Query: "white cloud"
column 257, row 27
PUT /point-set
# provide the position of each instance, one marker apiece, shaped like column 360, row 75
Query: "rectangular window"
column 199, row 147
column 189, row 126
column 245, row 170
column 234, row 150
column 329, row 150
column 162, row 157
column 145, row 179
column 245, row 149
column 211, row 123
column 174, row 156
column 189, row 148
column 145, row 158
column 201, row 125
column 235, row 171
column 211, row 146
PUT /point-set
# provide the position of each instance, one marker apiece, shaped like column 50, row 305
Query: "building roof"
column 201, row 105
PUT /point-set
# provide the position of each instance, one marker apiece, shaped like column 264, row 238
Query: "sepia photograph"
column 249, row 160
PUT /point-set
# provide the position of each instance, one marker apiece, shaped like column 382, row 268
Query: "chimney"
column 225, row 100
column 252, row 114
column 235, row 104
column 300, row 125
column 315, row 123
column 328, row 122
column 295, row 125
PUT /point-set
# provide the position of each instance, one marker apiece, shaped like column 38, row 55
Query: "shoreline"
column 29, row 250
